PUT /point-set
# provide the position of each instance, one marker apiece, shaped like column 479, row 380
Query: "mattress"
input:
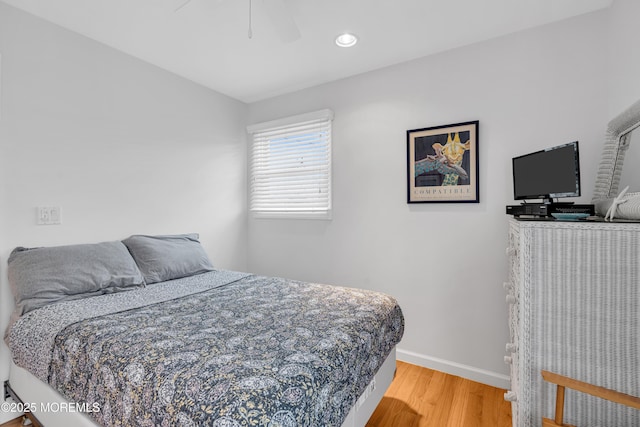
column 220, row 348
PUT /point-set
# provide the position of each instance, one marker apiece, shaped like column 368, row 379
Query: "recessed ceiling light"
column 346, row 40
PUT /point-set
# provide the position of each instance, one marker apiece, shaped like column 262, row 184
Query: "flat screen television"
column 547, row 174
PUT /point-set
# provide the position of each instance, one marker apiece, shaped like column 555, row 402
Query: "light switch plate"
column 49, row 215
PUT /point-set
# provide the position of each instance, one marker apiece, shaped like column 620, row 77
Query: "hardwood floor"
column 17, row 422
column 13, row 423
column 420, row 397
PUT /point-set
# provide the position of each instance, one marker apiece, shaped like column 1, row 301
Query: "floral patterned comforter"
column 220, row 349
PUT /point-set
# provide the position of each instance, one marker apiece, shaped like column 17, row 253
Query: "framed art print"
column 442, row 164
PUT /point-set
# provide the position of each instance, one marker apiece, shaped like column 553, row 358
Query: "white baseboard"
column 458, row 369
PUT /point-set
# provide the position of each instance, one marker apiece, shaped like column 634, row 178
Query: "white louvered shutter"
column 291, row 167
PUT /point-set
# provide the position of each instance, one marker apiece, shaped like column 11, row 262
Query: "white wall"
column 444, row 262
column 122, row 146
column 623, row 61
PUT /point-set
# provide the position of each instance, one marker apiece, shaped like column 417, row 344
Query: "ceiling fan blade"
column 282, row 20
column 181, row 5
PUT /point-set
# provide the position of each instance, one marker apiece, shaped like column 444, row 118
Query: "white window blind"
column 291, row 167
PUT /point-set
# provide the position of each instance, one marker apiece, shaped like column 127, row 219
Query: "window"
column 291, row 167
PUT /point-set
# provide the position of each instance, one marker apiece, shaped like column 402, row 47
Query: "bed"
column 211, row 347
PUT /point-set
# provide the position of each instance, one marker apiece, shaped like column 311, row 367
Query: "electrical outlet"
column 49, row 215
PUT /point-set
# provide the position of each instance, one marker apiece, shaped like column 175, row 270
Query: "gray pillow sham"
column 42, row 276
column 162, row 258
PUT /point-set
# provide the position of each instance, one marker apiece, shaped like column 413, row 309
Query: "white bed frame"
column 32, row 391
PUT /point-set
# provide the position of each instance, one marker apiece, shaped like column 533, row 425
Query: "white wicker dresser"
column 574, row 309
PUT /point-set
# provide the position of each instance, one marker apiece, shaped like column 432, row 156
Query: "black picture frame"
column 443, row 164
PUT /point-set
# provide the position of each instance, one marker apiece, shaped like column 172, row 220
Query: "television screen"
column 546, row 174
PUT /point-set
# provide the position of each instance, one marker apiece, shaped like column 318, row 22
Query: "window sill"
column 325, row 215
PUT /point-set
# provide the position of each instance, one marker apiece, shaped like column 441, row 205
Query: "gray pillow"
column 42, row 276
column 163, row 258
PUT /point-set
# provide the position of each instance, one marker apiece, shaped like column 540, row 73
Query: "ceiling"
column 207, row 40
